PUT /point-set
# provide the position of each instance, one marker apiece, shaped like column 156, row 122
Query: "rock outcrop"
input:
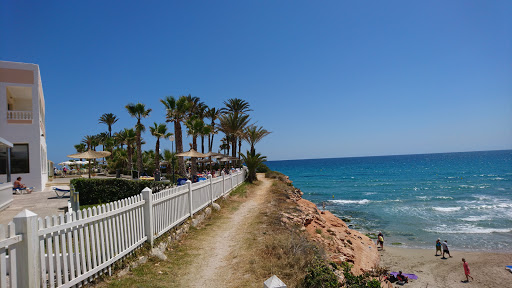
column 341, row 243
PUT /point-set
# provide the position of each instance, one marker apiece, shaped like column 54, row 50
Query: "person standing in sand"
column 445, row 249
column 438, row 246
column 466, row 270
column 380, row 240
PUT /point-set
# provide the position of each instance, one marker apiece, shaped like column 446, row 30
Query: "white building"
column 22, row 123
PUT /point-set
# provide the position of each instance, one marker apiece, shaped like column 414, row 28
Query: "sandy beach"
column 488, row 269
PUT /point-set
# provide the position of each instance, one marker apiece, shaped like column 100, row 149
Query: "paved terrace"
column 43, row 203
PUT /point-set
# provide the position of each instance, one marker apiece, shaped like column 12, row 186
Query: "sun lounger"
column 60, row 192
column 19, row 191
column 509, row 268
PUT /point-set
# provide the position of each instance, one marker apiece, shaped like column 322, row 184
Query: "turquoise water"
column 465, row 198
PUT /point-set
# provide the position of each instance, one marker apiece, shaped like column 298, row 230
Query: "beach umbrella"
column 192, row 154
column 90, row 155
column 213, row 155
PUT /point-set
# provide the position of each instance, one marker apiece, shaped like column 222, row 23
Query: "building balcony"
column 19, row 117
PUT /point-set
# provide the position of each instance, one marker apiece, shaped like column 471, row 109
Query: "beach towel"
column 410, row 276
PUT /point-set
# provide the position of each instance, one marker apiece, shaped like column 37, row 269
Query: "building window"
column 19, row 159
column 3, row 160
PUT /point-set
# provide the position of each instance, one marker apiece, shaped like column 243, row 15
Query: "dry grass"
column 272, row 248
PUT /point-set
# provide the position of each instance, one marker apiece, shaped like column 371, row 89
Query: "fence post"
column 189, row 185
column 28, row 266
column 147, row 195
column 211, row 188
column 232, row 175
column 223, row 182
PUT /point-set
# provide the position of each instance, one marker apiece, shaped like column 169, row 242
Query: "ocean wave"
column 467, row 229
column 495, row 206
column 364, row 201
column 446, row 209
column 443, row 197
column 476, row 218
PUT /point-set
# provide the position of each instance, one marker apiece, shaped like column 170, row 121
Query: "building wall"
column 32, row 134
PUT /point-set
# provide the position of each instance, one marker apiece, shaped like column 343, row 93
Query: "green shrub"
column 319, row 274
column 262, row 168
column 99, row 191
column 359, row 281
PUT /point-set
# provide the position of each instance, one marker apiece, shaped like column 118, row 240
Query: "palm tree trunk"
column 209, row 145
column 157, row 153
column 233, row 146
column 239, row 147
column 139, row 150
column 193, row 159
column 130, row 157
column 202, row 144
column 179, row 147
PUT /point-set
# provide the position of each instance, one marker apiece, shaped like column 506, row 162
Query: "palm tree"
column 253, row 161
column 236, row 105
column 80, row 148
column 233, row 124
column 253, row 134
column 177, row 110
column 138, row 111
column 109, row 119
column 169, row 158
column 90, row 141
column 159, row 131
column 195, row 127
column 212, row 114
column 120, row 138
column 131, row 138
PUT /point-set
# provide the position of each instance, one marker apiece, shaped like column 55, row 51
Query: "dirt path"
column 212, row 268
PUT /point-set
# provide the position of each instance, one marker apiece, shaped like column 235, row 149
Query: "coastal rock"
column 216, row 206
column 340, row 242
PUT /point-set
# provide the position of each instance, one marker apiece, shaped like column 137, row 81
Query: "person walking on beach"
column 445, row 249
column 438, row 246
column 380, row 240
column 466, row 270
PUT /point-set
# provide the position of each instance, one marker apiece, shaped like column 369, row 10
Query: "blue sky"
column 329, row 78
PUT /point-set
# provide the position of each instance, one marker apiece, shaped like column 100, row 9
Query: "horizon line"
column 392, row 155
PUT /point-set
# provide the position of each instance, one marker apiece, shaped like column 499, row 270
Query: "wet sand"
column 488, row 269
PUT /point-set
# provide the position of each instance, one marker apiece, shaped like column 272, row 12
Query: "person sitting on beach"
column 402, row 277
column 19, row 186
column 438, row 246
column 445, row 249
column 380, row 240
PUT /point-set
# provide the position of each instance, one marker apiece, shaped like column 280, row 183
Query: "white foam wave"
column 364, row 201
column 422, row 197
column 476, row 218
column 443, row 197
column 446, row 209
column 496, row 206
column 467, row 229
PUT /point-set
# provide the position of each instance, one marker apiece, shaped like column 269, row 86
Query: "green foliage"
column 262, row 168
column 320, row 275
column 253, row 161
column 359, row 281
column 98, row 191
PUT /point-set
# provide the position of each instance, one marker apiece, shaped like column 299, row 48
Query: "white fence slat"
column 65, row 267
column 49, row 253
column 3, row 260
column 69, row 239
column 101, row 238
column 83, row 261
column 122, row 235
column 108, row 236
column 42, row 257
column 119, row 236
column 86, row 214
column 57, row 251
column 94, row 236
column 76, row 248
column 12, row 257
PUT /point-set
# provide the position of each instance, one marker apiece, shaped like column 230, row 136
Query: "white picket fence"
column 72, row 249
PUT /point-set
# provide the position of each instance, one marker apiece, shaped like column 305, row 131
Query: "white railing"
column 8, row 241
column 19, row 115
column 72, row 249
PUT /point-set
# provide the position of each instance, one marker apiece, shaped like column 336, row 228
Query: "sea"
column 465, row 198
